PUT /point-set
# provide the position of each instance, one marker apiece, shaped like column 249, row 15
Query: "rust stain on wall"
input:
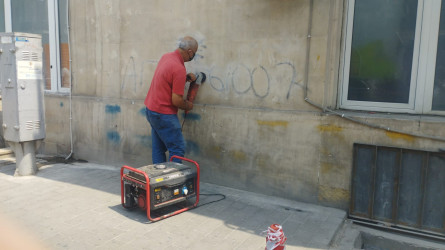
column 215, row 152
column 326, row 193
column 262, row 162
column 399, row 136
column 238, row 156
column 329, row 128
column 326, row 167
column 273, row 123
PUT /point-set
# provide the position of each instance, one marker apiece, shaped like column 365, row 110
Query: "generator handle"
column 197, row 174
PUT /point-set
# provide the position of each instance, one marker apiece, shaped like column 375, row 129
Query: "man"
column 165, row 97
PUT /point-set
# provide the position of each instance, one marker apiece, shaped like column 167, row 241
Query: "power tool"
column 194, row 86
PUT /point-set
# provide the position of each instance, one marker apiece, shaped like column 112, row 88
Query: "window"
column 394, row 58
column 49, row 19
column 2, row 16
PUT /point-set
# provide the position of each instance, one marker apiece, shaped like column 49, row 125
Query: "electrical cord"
column 223, row 197
column 182, row 126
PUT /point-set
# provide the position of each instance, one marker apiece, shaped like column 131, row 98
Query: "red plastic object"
column 275, row 238
column 146, row 186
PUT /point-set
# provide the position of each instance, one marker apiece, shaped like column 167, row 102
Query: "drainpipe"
column 71, row 78
column 308, row 49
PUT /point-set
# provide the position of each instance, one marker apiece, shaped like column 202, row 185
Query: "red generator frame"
column 146, row 186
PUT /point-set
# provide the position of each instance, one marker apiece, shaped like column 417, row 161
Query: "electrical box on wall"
column 22, row 83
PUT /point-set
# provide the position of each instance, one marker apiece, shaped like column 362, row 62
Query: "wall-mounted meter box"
column 22, row 83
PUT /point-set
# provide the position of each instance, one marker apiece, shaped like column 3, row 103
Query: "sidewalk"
column 77, row 206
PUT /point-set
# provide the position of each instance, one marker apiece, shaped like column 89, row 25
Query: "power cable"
column 223, row 197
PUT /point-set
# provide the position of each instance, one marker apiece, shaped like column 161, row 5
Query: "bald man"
column 165, row 97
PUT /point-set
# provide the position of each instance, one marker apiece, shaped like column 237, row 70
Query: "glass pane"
column 382, row 50
column 31, row 16
column 64, row 49
column 2, row 16
column 439, row 78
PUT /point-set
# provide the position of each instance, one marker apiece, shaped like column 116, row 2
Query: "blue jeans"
column 166, row 135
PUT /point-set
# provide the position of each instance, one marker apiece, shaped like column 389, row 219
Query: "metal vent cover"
column 30, row 56
column 400, row 187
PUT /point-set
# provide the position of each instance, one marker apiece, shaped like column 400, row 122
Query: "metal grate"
column 29, row 125
column 26, row 56
column 401, row 187
column 30, row 56
column 35, row 57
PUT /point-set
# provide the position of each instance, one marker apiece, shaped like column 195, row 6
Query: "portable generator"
column 157, row 186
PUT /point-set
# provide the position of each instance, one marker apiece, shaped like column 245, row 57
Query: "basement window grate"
column 400, row 187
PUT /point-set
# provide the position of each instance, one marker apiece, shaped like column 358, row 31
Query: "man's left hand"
column 191, row 77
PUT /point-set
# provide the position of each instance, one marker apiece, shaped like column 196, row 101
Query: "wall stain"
column 112, row 109
column 326, row 167
column 145, row 140
column 262, row 162
column 326, row 193
column 142, row 111
column 192, row 147
column 329, row 128
column 214, row 152
column 399, row 136
column 192, row 116
column 273, row 123
column 114, row 137
column 61, row 104
column 238, row 156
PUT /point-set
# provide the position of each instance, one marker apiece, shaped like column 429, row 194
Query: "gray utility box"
column 22, row 82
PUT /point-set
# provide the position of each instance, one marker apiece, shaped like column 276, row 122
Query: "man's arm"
column 180, row 103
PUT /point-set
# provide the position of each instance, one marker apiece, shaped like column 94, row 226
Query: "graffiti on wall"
column 130, row 77
column 220, row 85
column 257, row 80
column 135, row 81
column 112, row 134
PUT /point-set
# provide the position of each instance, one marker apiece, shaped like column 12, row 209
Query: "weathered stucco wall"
column 251, row 127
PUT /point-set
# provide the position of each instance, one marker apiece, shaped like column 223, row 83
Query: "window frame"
column 53, row 30
column 423, row 65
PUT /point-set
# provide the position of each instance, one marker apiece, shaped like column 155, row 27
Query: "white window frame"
column 423, row 65
column 53, row 29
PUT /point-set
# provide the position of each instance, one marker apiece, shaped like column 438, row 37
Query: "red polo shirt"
column 169, row 78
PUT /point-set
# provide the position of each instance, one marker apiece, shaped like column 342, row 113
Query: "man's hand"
column 180, row 103
column 191, row 77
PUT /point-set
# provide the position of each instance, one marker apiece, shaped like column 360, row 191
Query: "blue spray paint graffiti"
column 145, row 140
column 61, row 104
column 192, row 147
column 192, row 116
column 114, row 137
column 110, row 109
column 142, row 111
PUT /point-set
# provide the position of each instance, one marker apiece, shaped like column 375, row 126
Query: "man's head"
column 188, row 47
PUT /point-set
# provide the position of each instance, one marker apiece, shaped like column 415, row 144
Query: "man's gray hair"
column 187, row 43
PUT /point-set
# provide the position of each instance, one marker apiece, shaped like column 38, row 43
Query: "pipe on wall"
column 71, row 79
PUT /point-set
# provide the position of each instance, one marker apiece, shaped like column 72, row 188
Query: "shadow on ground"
column 235, row 222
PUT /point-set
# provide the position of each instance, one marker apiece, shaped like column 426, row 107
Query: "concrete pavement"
column 77, row 206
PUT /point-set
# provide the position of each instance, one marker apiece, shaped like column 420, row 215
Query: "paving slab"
column 77, row 206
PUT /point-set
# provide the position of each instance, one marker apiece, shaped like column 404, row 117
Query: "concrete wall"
column 251, row 127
